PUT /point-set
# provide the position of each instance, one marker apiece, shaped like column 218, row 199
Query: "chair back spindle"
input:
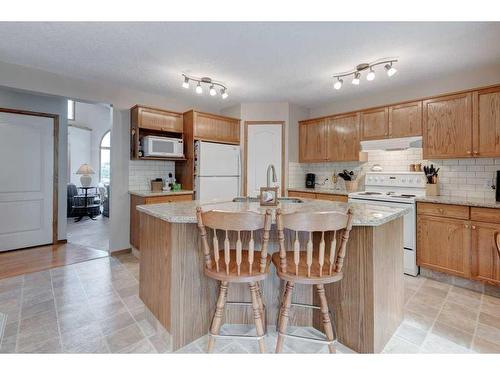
column 497, row 242
column 323, row 222
column 239, row 257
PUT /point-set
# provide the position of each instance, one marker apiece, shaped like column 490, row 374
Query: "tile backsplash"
column 470, row 178
column 141, row 172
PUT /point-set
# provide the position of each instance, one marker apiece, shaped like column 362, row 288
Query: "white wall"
column 96, row 117
column 15, row 99
column 451, row 83
column 297, row 113
column 79, row 152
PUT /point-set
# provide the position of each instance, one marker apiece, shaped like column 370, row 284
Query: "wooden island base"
column 367, row 304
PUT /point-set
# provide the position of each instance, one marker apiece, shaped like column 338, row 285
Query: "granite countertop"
column 461, row 201
column 320, row 190
column 364, row 214
column 149, row 193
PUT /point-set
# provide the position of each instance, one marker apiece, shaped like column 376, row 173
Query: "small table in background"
column 84, row 204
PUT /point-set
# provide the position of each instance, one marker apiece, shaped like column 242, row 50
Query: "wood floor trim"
column 36, row 259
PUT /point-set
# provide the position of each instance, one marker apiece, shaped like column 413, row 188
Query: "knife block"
column 432, row 190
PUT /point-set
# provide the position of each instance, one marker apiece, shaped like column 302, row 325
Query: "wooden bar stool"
column 236, row 265
column 497, row 241
column 313, row 267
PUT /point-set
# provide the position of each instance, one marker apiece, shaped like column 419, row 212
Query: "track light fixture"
column 209, row 82
column 371, row 75
column 355, row 80
column 356, row 72
column 390, row 69
column 199, row 89
column 338, row 84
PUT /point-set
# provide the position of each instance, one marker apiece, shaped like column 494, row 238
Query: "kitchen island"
column 367, row 303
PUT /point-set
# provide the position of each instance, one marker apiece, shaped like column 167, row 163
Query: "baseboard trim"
column 122, row 251
column 61, row 242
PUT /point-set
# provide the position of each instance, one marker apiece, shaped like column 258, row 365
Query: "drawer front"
column 444, row 210
column 489, row 215
column 332, row 197
column 169, row 199
column 301, row 194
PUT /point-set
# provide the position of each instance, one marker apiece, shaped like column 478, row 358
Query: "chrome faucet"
column 271, row 168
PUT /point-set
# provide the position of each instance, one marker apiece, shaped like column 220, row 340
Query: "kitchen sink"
column 256, row 199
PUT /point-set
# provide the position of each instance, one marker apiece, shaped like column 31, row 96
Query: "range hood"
column 392, row 144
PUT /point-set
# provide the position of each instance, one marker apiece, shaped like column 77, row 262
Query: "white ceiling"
column 258, row 61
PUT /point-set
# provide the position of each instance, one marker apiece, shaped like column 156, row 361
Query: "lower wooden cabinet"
column 459, row 240
column 485, row 259
column 136, row 200
column 443, row 244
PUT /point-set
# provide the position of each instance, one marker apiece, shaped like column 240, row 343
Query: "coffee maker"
column 310, row 180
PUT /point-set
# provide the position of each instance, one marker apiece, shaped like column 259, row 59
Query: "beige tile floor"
column 88, row 232
column 93, row 307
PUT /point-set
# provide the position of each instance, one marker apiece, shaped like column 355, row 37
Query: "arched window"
column 105, row 157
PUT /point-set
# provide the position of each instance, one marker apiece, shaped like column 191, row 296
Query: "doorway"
column 89, row 174
column 264, row 145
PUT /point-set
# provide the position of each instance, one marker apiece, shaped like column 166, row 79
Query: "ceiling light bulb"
column 212, row 91
column 185, row 84
column 337, row 85
column 355, row 80
column 199, row 89
column 390, row 70
column 371, row 75
column 224, row 93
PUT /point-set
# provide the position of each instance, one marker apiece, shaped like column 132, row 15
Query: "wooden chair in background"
column 313, row 267
column 238, row 265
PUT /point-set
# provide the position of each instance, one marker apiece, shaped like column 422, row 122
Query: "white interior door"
column 264, row 148
column 26, row 180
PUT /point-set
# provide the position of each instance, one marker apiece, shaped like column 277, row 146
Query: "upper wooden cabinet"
column 313, row 141
column 375, row 124
column 405, row 120
column 486, row 122
column 215, row 128
column 443, row 244
column 447, row 127
column 343, row 138
column 485, row 259
column 156, row 119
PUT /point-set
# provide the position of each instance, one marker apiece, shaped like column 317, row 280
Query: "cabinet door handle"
column 476, row 152
column 466, row 226
column 473, row 227
column 469, row 152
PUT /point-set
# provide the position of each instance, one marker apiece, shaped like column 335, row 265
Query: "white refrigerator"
column 217, row 171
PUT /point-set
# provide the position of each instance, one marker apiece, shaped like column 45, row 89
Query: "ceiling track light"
column 213, row 85
column 338, row 84
column 356, row 72
column 355, row 80
column 390, row 69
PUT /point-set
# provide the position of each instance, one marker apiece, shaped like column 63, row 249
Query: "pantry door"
column 264, row 145
column 26, row 180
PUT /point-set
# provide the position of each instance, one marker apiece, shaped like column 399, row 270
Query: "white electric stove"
column 396, row 189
